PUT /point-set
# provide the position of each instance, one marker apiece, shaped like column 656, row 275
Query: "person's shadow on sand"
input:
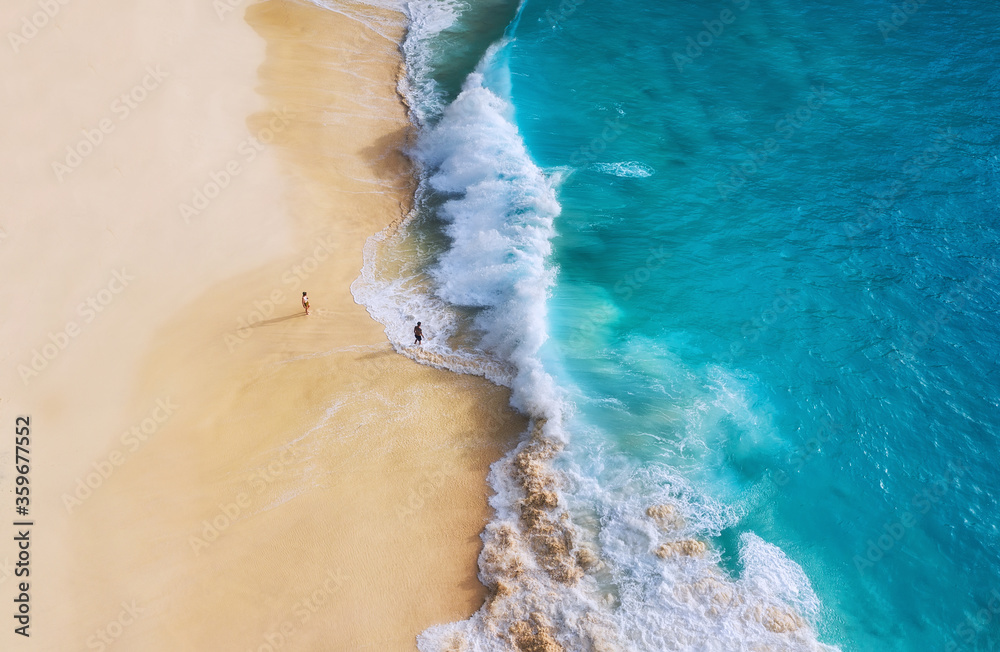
column 276, row 320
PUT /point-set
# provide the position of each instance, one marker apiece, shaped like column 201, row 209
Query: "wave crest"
column 615, row 570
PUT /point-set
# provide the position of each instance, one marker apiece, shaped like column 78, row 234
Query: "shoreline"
column 272, row 476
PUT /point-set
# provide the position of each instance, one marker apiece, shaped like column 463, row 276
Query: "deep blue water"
column 776, row 281
column 833, row 302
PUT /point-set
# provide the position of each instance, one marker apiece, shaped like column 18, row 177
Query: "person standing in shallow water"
column 418, row 334
column 305, row 302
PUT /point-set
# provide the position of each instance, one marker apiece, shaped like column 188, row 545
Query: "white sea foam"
column 427, row 19
column 571, row 563
column 500, row 221
column 633, row 169
column 500, row 226
column 768, row 571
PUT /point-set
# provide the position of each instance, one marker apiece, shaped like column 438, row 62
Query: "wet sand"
column 213, row 469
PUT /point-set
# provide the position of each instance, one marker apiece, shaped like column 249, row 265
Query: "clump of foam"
column 666, row 516
column 780, row 621
column 684, row 547
column 534, row 634
column 549, row 534
column 539, row 596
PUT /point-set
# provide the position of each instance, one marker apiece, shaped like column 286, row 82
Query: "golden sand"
column 214, row 470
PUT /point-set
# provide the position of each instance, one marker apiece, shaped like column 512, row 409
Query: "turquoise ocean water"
column 745, row 253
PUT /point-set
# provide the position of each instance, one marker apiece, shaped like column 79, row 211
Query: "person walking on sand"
column 305, row 302
column 418, row 334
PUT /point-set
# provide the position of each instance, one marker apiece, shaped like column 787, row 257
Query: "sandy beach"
column 211, row 469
